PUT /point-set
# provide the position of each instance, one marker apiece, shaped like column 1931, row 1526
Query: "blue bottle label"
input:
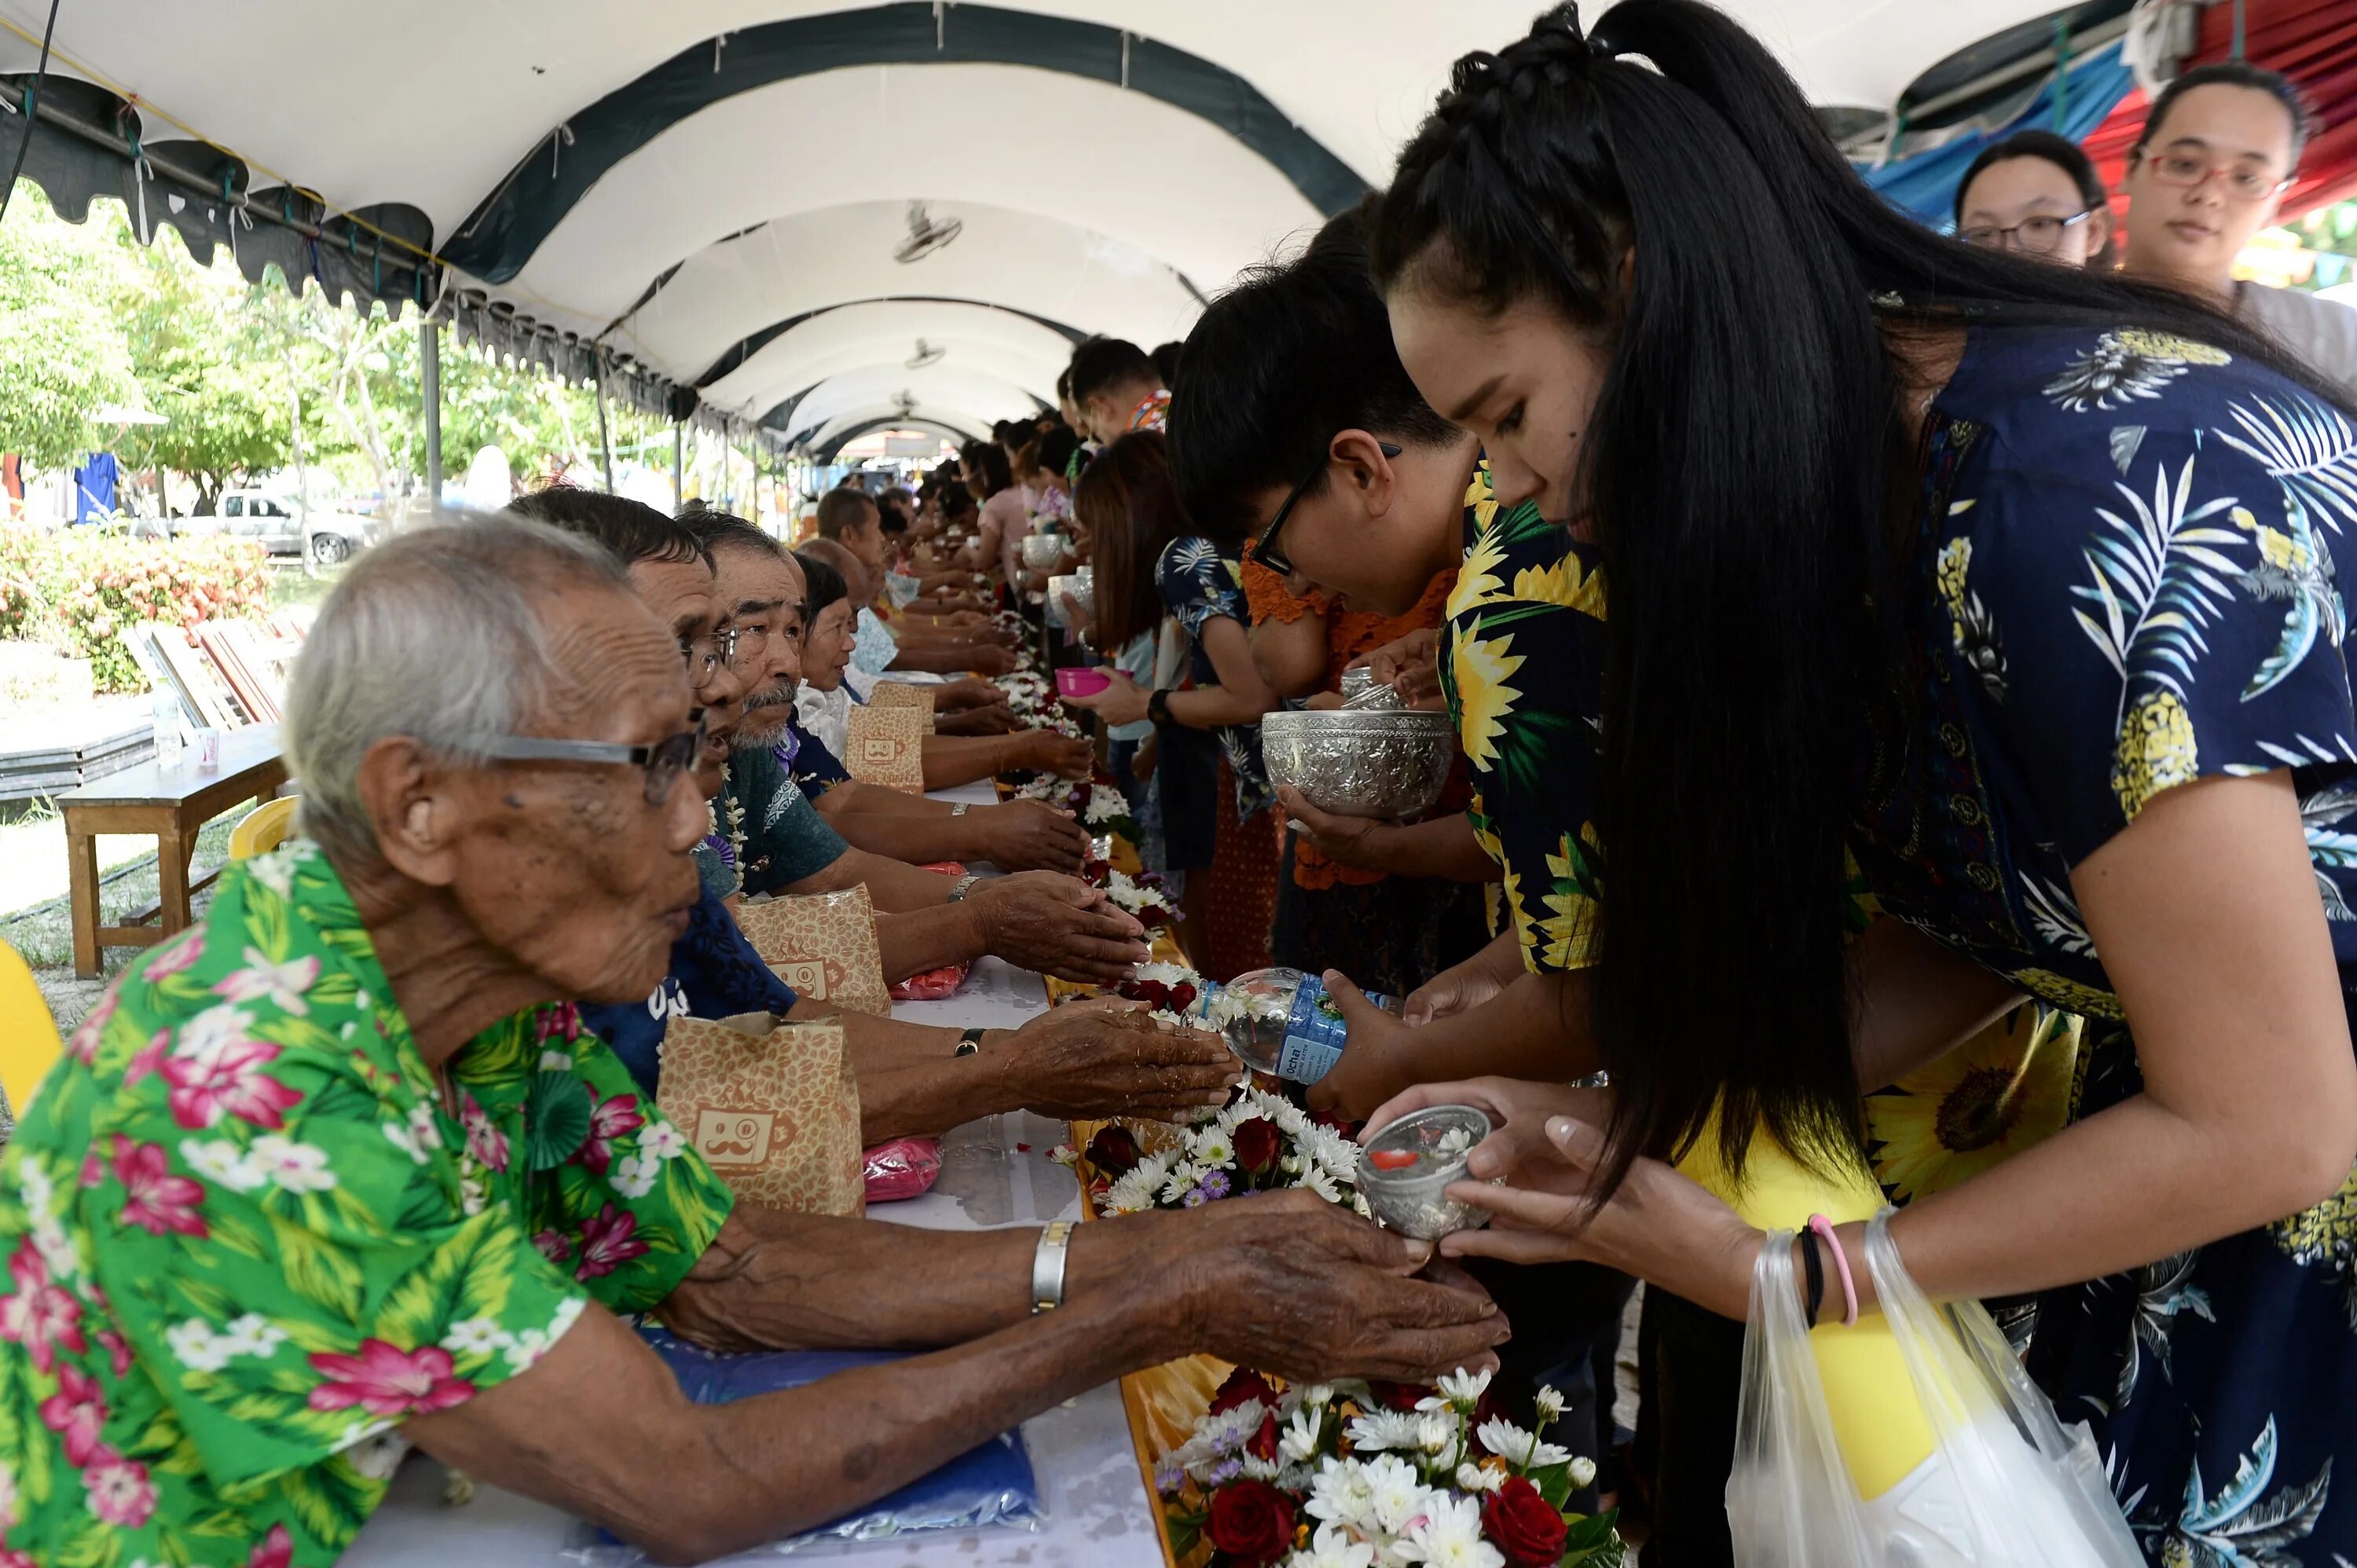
column 1315, row 1034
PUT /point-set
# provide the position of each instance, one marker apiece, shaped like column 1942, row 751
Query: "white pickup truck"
column 278, row 523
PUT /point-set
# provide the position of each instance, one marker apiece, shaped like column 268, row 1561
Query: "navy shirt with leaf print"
column 2126, row 582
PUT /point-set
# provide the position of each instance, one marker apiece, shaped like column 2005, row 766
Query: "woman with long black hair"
column 2005, row 585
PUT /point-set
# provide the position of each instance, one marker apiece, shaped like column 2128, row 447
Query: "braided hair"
column 1665, row 187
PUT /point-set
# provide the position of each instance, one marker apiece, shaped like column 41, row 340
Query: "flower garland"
column 1352, row 1475
column 1143, row 896
column 727, row 842
column 1258, row 1143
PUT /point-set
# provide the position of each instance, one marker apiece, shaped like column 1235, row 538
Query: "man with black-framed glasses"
column 2220, row 150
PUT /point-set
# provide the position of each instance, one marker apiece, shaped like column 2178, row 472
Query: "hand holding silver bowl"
column 1404, row 1171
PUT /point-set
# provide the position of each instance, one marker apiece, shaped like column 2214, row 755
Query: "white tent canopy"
column 710, row 192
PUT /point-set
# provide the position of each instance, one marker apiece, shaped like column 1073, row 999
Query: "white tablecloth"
column 995, row 1172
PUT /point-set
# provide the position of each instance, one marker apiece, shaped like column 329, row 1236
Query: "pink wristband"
column 1824, row 1231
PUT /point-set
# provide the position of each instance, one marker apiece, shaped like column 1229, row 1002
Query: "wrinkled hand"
column 991, row 658
column 1660, row 1226
column 1051, row 751
column 1106, row 1058
column 1369, row 1071
column 1060, row 926
column 1350, row 840
column 1292, row 1285
column 1122, row 702
column 1026, row 835
column 995, row 719
column 1409, row 666
column 966, row 691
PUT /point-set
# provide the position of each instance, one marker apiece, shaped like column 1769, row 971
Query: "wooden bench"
column 170, row 805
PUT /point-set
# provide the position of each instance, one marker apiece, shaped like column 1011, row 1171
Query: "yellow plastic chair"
column 29, row 1045
column 264, row 827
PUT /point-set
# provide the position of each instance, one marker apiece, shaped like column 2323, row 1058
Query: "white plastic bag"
column 2006, row 1486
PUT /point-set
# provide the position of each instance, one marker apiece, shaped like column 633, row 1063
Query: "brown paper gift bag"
column 771, row 1106
column 886, row 746
column 823, row 945
column 904, row 695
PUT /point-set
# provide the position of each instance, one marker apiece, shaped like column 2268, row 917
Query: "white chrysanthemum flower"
column 1340, row 1496
column 1518, row 1447
column 1216, row 1437
column 1332, row 1547
column 1314, row 1396
column 1450, row 1536
column 1300, row 1443
column 1464, row 1389
column 1259, row 1469
column 1319, row 1182
column 1549, row 1401
column 1182, row 1175
column 1396, row 1493
column 1471, row 1477
column 1210, row 1147
column 1583, row 1471
column 1290, row 1164
column 1435, row 1436
column 1380, row 1430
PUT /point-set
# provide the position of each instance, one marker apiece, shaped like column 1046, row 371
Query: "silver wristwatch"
column 964, row 886
column 960, row 809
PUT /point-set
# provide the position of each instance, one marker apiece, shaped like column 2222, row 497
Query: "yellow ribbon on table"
column 1162, row 1403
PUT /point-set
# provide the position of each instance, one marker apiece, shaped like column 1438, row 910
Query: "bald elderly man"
column 283, row 1208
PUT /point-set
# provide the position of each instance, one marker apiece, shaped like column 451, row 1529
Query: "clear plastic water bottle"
column 1280, row 1021
column 166, row 707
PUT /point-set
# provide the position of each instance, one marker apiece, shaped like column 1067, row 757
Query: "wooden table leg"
column 172, row 853
column 82, row 870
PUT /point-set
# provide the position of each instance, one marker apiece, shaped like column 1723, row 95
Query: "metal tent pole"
column 429, row 360
column 605, row 435
column 679, row 463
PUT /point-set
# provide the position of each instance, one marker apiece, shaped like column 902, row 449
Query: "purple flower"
column 1195, row 1198
column 1169, row 1480
column 1215, row 1186
column 1226, row 1470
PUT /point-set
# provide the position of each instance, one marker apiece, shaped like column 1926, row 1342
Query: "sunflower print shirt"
column 1198, row 579
column 1522, row 665
column 2126, row 583
column 247, row 1235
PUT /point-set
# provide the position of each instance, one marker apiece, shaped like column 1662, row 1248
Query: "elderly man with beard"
column 285, row 1205
column 761, row 584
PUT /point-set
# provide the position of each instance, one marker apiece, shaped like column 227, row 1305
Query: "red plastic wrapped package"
column 905, row 1168
column 931, row 985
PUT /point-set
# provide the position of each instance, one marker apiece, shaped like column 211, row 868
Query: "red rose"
column 1182, row 996
column 1257, row 1142
column 1262, row 1443
column 1242, row 1387
column 1398, row 1396
column 1523, row 1525
column 1114, row 1152
column 1252, row 1523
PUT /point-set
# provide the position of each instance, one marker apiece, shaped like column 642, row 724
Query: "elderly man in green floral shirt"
column 337, row 1171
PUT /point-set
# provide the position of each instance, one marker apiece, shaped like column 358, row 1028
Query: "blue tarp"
column 1925, row 185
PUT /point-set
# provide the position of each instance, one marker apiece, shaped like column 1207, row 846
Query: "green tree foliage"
column 62, row 354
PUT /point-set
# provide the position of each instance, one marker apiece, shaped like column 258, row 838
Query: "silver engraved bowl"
column 1361, row 762
column 1081, row 587
column 1043, row 552
column 1410, row 1200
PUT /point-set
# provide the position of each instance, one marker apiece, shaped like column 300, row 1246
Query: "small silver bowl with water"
column 1361, row 762
column 1082, row 589
column 1409, row 1199
column 1043, row 552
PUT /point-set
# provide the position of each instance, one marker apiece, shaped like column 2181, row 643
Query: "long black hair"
column 1744, row 471
column 2063, row 153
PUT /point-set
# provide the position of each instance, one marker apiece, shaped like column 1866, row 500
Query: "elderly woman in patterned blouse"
column 286, row 1204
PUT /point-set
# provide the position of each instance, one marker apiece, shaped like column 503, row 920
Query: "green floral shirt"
column 245, row 1237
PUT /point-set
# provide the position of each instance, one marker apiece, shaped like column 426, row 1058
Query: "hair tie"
column 1825, row 1229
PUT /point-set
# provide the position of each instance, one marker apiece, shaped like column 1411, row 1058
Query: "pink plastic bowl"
column 1082, row 682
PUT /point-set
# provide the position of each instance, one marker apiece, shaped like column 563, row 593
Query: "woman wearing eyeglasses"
column 1217, row 824
column 2037, row 193
column 2222, row 146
